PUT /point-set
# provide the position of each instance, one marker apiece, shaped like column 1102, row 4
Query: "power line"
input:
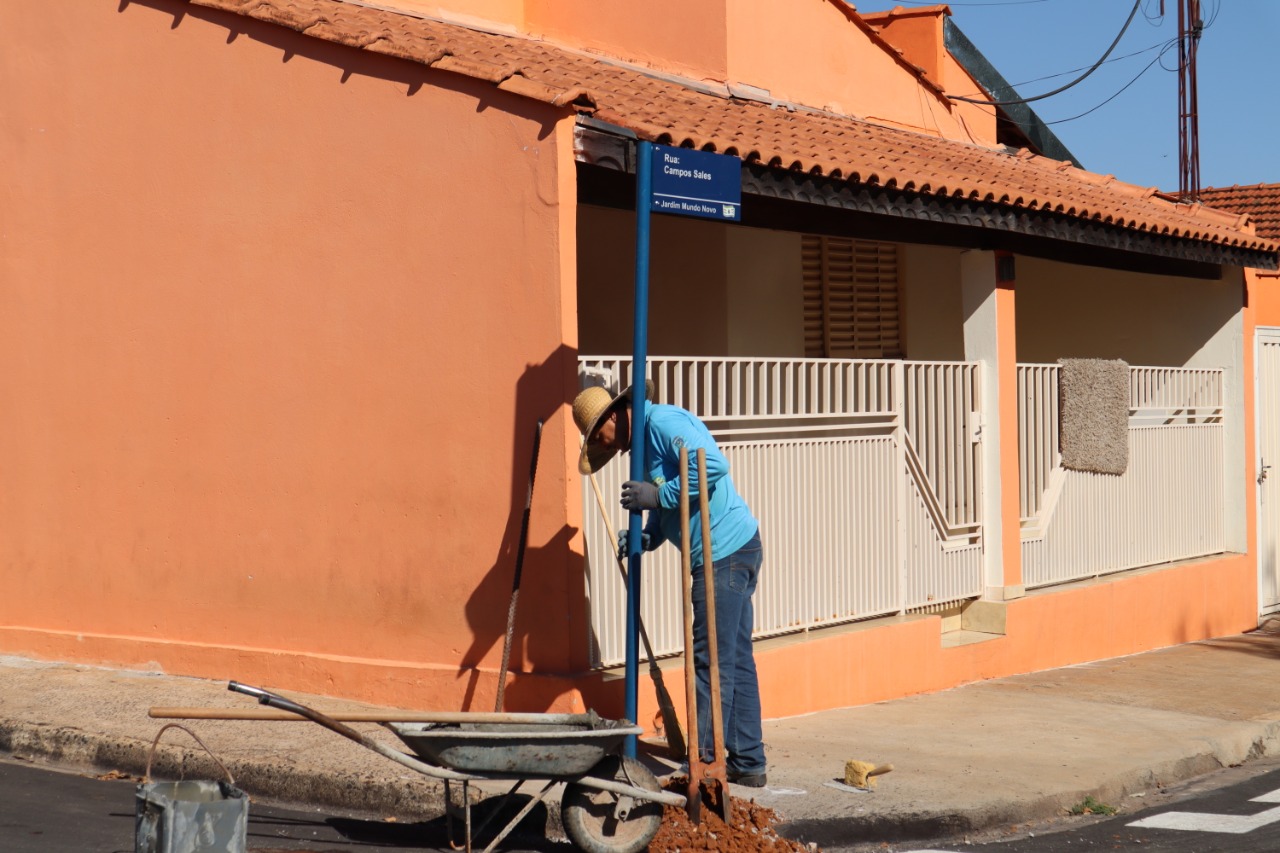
column 1132, row 13
column 1099, row 106
column 1163, row 47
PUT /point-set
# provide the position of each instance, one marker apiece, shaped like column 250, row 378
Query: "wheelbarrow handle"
column 257, row 692
column 274, row 701
column 269, row 699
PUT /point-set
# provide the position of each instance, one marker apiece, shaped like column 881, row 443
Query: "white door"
column 1268, row 468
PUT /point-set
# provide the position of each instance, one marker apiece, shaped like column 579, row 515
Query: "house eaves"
column 791, row 145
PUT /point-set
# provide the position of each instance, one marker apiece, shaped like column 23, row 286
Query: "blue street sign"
column 696, row 183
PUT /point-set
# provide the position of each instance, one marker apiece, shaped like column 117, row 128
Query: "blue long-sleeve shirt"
column 667, row 429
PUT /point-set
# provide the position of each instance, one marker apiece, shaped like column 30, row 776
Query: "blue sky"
column 1135, row 135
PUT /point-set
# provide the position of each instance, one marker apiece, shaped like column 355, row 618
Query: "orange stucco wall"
column 1007, row 377
column 918, row 33
column 1264, row 296
column 675, row 36
column 978, row 121
column 813, row 54
column 272, row 358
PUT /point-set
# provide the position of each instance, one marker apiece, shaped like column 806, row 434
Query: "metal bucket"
column 195, row 816
column 191, row 817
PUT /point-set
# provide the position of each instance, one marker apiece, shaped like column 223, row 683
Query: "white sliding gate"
column 864, row 474
column 1167, row 506
column 1268, row 407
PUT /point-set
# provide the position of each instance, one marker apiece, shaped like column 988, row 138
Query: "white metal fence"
column 1038, row 457
column 863, row 473
column 940, row 404
column 1168, row 505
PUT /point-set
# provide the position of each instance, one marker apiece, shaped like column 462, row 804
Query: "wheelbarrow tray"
column 516, row 749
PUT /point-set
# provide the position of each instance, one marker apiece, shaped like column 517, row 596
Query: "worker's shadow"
column 549, row 590
column 539, row 633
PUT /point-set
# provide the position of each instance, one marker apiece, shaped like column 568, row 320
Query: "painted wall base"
column 839, row 667
column 1091, row 620
column 395, row 684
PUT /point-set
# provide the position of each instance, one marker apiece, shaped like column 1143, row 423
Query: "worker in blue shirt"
column 605, row 422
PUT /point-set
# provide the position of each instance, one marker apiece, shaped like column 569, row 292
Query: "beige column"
column 988, row 302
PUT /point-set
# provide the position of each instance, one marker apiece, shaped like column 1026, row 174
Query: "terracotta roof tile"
column 1261, row 202
column 663, row 109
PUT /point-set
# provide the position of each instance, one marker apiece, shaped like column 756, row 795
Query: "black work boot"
column 747, row 780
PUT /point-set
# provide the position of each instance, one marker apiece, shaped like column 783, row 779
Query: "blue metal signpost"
column 683, row 182
column 640, row 345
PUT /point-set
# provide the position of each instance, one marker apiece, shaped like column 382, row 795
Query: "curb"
column 925, row 825
column 419, row 798
column 276, row 781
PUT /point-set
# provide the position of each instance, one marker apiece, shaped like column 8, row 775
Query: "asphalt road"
column 1237, row 811
column 44, row 810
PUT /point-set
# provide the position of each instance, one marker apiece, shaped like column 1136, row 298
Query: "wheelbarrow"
column 611, row 803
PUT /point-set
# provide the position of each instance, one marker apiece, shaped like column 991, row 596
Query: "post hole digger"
column 712, row 773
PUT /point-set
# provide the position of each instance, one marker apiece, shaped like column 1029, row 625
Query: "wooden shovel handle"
column 447, row 717
column 694, row 806
column 717, row 771
column 713, row 642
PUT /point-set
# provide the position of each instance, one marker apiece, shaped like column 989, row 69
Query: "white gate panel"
column 1167, row 506
column 1268, row 422
column 937, row 572
column 830, row 553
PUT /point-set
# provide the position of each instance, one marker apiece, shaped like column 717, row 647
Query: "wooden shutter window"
column 850, row 298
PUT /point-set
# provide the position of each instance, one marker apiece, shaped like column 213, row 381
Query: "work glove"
column 646, row 544
column 637, row 495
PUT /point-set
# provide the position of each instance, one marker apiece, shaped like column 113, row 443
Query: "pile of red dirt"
column 752, row 831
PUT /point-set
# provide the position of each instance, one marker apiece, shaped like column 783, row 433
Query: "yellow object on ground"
column 862, row 774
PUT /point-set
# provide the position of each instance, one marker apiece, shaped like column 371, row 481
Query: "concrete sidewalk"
column 978, row 757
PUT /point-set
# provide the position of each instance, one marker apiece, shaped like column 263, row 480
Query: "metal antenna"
column 1190, row 26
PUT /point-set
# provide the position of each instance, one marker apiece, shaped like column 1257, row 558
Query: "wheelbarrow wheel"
column 590, row 816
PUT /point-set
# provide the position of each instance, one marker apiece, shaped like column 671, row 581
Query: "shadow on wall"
column 547, row 622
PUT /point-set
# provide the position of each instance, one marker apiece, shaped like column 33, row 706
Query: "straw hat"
column 590, row 408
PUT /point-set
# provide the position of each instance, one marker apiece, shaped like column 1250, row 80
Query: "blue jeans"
column 735, row 580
